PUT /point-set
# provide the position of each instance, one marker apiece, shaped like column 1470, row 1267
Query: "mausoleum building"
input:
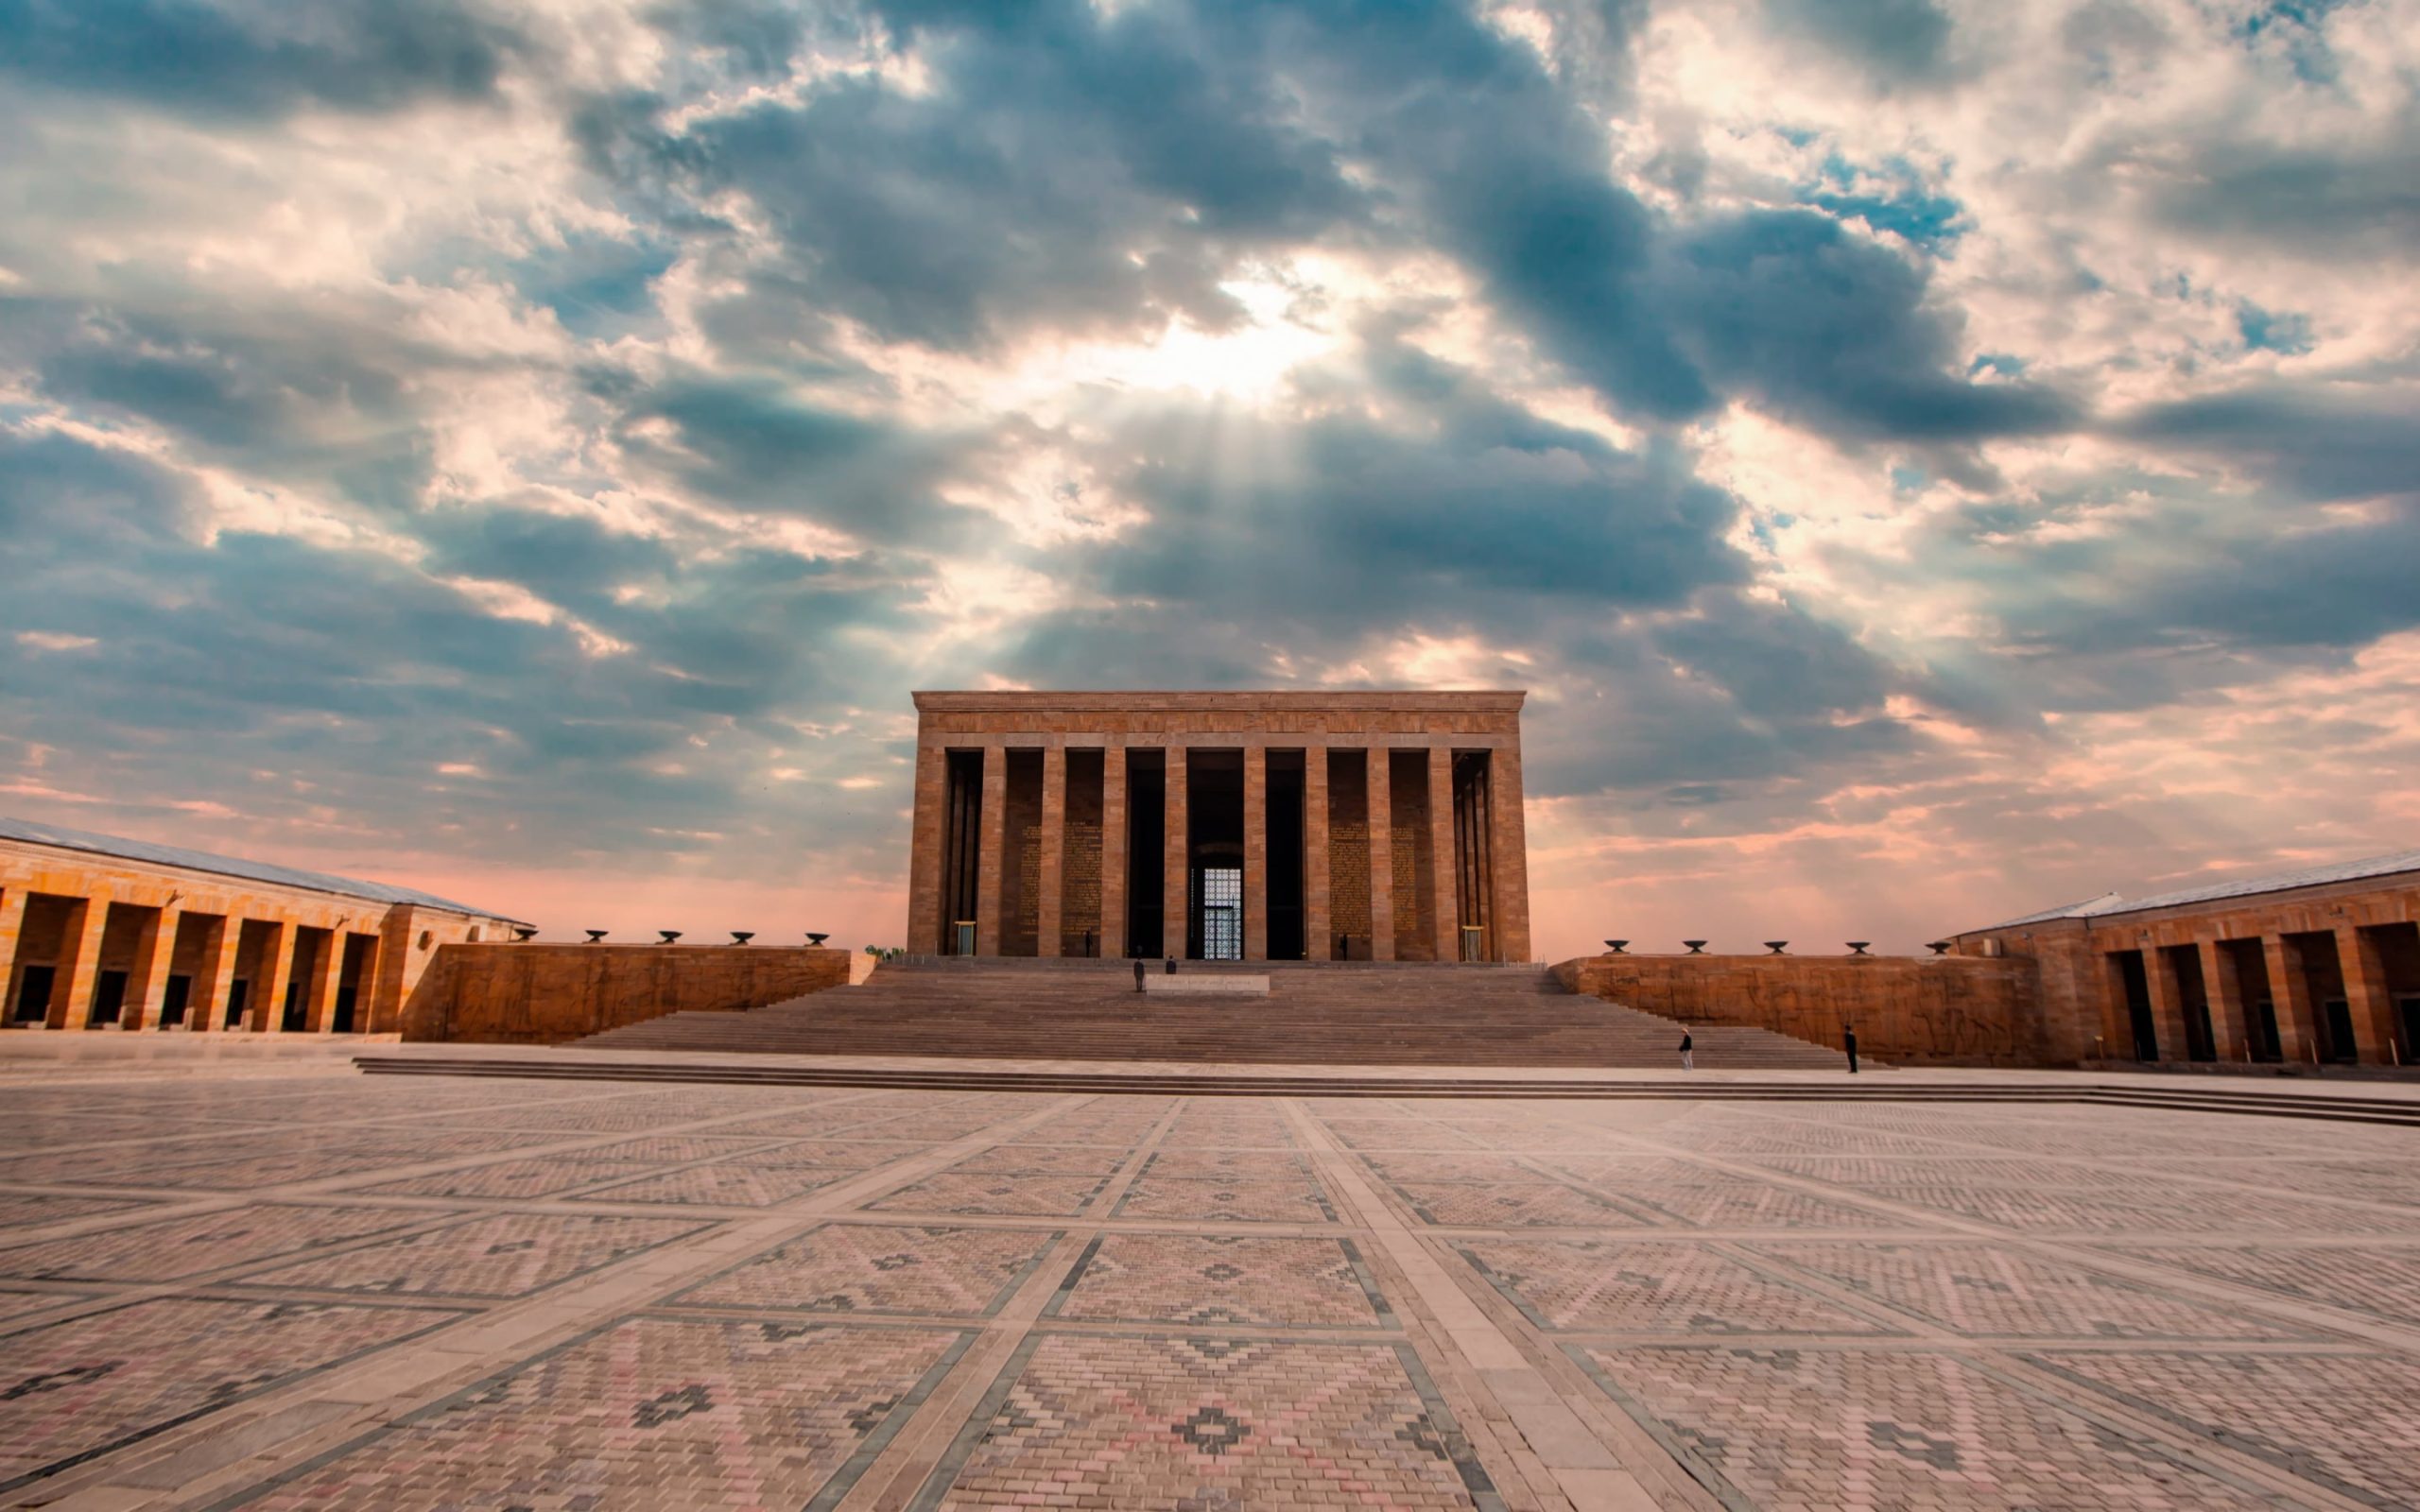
column 1220, row 826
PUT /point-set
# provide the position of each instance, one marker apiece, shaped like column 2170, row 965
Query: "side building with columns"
column 1220, row 826
column 2321, row 965
column 102, row 932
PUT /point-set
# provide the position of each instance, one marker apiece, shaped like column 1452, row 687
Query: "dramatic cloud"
column 1927, row 458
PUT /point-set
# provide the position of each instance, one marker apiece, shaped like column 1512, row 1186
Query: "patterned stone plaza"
column 325, row 1290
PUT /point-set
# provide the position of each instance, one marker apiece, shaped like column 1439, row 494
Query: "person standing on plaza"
column 1688, row 1052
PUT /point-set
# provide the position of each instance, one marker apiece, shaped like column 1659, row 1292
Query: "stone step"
column 1327, row 1013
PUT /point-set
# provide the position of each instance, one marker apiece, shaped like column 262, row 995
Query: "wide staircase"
column 1315, row 1013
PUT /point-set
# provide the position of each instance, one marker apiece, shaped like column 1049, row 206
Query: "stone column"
column 2365, row 994
column 1382, row 855
column 1441, row 854
column 2228, row 1031
column 71, row 1003
column 268, row 1006
column 319, row 993
column 1319, row 942
column 207, row 1008
column 12, row 925
column 991, row 867
column 2168, row 1012
column 1176, row 909
column 2290, row 994
column 1509, row 848
column 1113, row 848
column 924, row 849
column 146, row 986
column 1256, row 853
column 1050, row 906
column 390, row 1010
column 364, row 987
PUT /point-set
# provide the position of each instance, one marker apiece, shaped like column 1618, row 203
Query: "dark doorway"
column 174, row 1002
column 2312, row 954
column 239, row 992
column 1220, row 913
column 2192, row 999
column 359, row 952
column 1213, row 808
column 292, row 1020
column 1146, row 824
column 961, row 852
column 1473, row 869
column 2408, row 1015
column 109, row 1000
column 1285, row 824
column 2137, row 989
column 2338, row 1015
column 33, row 993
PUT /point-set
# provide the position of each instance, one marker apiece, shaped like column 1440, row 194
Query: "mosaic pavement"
column 310, row 1289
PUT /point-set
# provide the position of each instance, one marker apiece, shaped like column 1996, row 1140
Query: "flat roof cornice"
column 1467, row 700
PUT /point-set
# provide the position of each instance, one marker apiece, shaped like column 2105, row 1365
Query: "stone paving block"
column 2381, row 1281
column 1040, row 1196
column 876, row 1269
column 1807, row 1429
column 29, row 1210
column 171, row 1249
column 1279, row 1196
column 838, row 1155
column 1684, row 1191
column 725, row 1184
column 575, row 1120
column 73, row 1389
column 647, row 1413
column 2364, row 1180
column 1431, row 1165
column 2209, row 1209
column 1231, row 1128
column 1045, row 1159
column 1195, row 1162
column 541, row 1177
column 2344, row 1422
column 1603, row 1285
column 1208, row 1280
column 1986, row 1291
column 671, row 1149
column 1209, row 1423
column 14, row 1302
column 1538, row 1204
column 504, row 1256
column 1399, row 1134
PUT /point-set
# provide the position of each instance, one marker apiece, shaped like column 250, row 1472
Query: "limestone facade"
column 1251, row 826
column 2310, row 968
column 1943, row 1010
column 98, row 932
column 547, row 994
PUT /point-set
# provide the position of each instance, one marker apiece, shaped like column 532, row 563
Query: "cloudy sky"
column 1928, row 458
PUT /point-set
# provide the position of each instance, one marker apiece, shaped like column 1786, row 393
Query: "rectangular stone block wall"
column 547, row 994
column 1936, row 1010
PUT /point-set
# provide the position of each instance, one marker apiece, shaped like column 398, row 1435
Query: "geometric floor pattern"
column 302, row 1288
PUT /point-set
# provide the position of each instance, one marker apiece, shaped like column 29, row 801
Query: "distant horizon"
column 707, row 909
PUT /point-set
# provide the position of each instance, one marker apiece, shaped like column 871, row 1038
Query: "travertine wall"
column 2354, row 941
column 546, row 994
column 1938, row 1011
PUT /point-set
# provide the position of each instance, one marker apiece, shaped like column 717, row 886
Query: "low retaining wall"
column 1952, row 1010
column 546, row 994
